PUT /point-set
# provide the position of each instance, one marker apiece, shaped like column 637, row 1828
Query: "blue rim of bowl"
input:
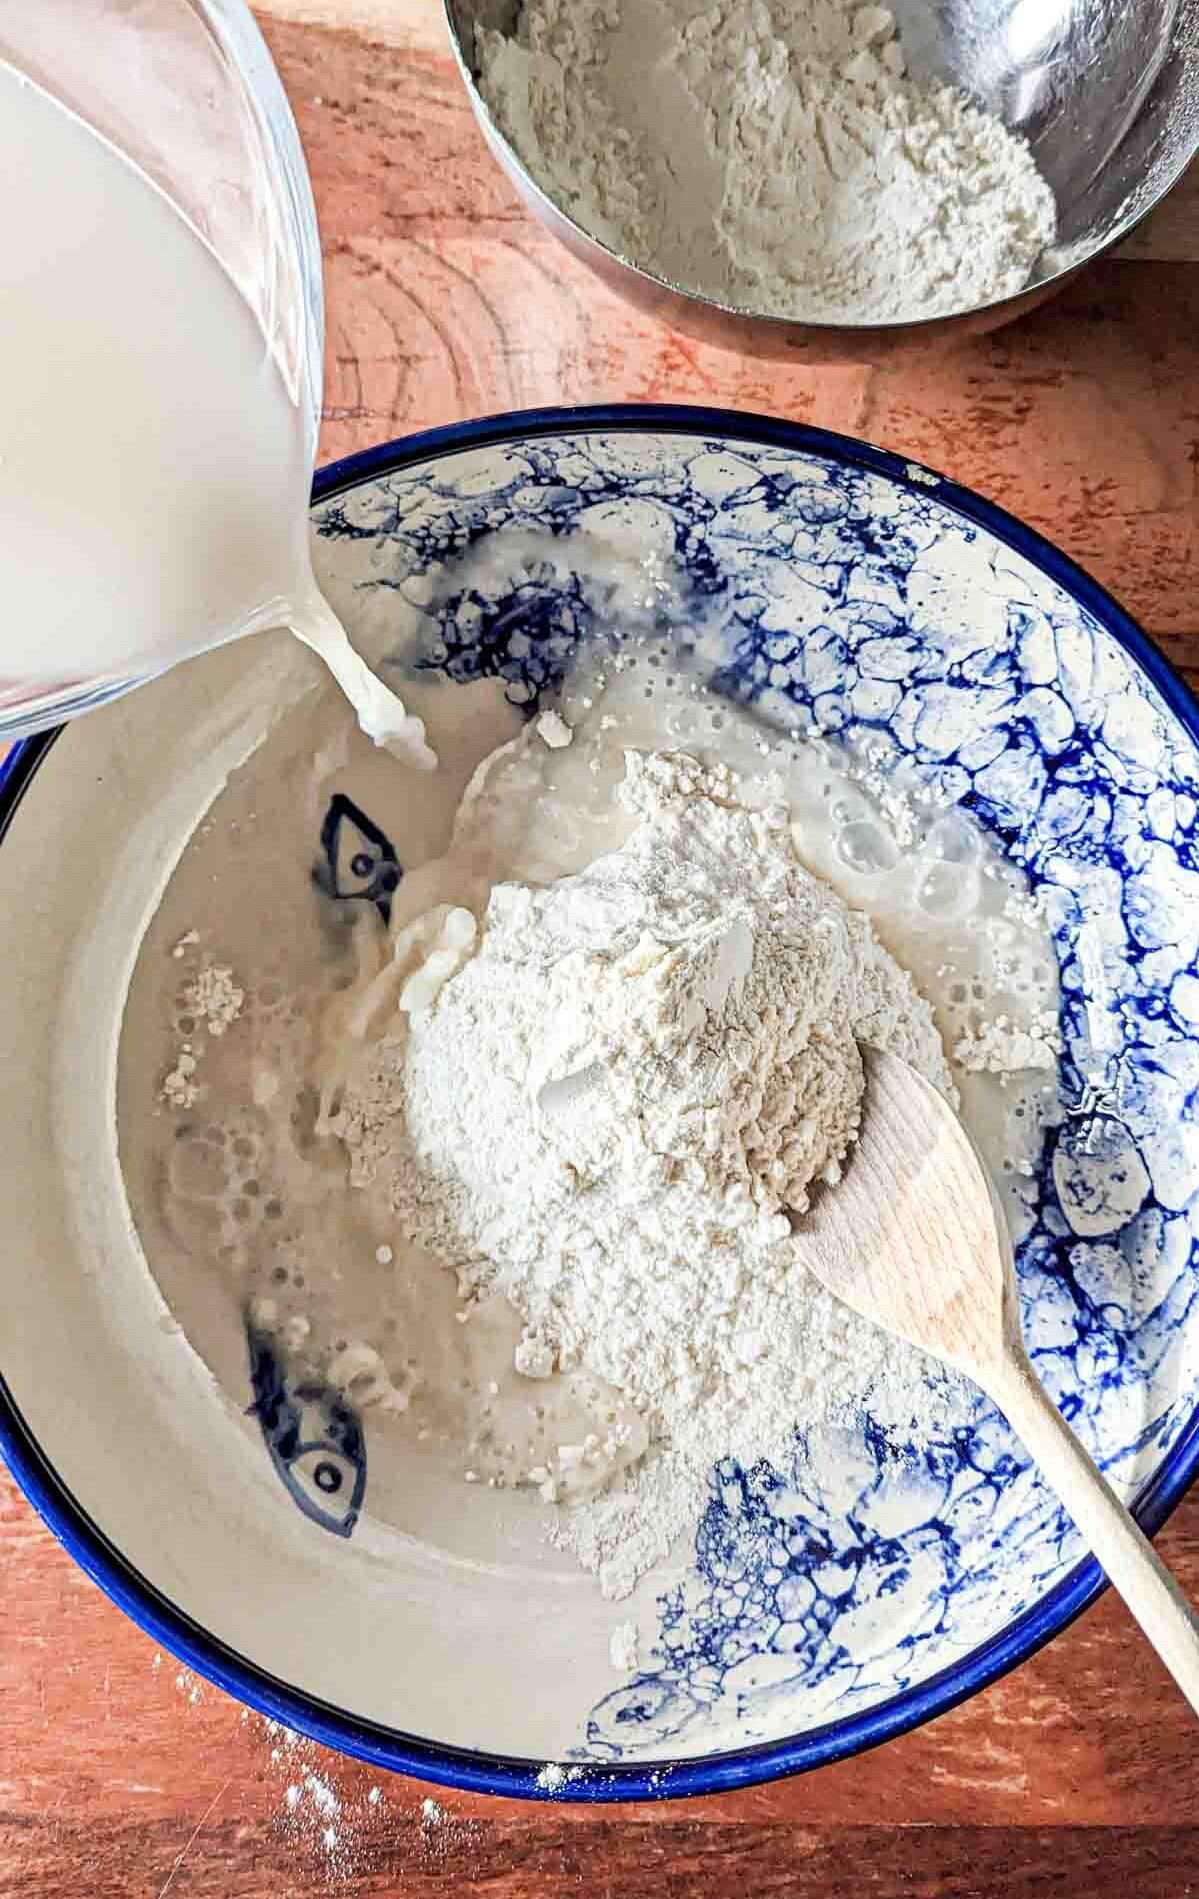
column 477, row 1771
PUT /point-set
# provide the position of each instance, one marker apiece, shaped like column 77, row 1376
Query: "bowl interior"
column 809, row 1615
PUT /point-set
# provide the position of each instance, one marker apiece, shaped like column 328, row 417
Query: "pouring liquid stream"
column 154, row 469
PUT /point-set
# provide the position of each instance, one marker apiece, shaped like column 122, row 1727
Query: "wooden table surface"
column 1079, row 1774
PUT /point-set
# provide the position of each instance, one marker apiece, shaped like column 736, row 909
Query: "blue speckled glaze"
column 868, row 608
column 826, row 1612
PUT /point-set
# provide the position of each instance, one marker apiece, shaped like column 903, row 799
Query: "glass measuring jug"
column 160, row 377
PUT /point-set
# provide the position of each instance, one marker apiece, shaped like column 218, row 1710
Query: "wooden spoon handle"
column 1128, row 1557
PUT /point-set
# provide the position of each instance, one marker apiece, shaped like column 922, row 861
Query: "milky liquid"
column 243, row 1204
column 154, row 472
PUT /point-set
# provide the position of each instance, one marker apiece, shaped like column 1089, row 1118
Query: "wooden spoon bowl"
column 913, row 1238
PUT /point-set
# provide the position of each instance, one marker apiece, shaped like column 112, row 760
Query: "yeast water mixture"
column 482, row 1094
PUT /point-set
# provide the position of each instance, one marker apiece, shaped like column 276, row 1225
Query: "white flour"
column 770, row 155
column 624, row 1648
column 608, row 1114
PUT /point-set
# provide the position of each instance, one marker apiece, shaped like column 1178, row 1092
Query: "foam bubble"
column 197, row 1169
column 946, row 893
column 952, row 839
column 865, row 847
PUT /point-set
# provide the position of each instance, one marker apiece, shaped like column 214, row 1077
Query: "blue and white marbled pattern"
column 867, row 604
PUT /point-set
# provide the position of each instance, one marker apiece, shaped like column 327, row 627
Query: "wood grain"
column 622, row 1858
column 1077, row 1775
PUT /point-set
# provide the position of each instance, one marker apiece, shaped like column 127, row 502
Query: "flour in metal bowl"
column 772, row 155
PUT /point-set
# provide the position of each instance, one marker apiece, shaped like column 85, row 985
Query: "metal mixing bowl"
column 1106, row 94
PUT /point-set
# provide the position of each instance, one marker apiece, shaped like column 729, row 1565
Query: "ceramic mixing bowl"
column 804, row 1619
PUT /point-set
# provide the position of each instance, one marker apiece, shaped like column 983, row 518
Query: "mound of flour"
column 771, row 154
column 609, row 1114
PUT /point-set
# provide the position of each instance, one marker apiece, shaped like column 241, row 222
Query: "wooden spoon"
column 912, row 1238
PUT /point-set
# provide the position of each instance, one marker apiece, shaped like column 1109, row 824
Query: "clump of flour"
column 623, row 1647
column 214, row 996
column 213, row 1001
column 771, row 154
column 613, row 1114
